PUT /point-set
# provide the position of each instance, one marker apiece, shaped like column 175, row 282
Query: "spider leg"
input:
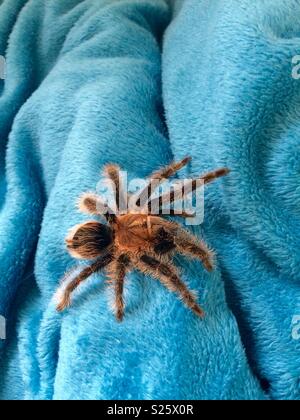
column 157, row 178
column 113, row 173
column 93, row 204
column 98, row 265
column 121, row 268
column 168, row 276
column 213, row 175
column 188, row 245
column 183, row 242
column 189, row 187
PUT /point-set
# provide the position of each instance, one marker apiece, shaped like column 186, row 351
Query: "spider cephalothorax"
column 136, row 240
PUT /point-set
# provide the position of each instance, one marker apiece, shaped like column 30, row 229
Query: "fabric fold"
column 235, row 77
column 88, row 92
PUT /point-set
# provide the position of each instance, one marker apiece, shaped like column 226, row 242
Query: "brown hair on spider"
column 141, row 240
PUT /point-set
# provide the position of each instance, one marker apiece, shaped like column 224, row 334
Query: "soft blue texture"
column 230, row 100
column 83, row 88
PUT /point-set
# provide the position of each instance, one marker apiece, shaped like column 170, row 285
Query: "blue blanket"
column 85, row 86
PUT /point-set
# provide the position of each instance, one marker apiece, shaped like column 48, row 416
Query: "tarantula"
column 137, row 240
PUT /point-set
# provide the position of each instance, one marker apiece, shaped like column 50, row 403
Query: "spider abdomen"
column 89, row 240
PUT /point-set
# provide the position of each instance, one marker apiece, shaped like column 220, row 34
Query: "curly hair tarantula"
column 137, row 240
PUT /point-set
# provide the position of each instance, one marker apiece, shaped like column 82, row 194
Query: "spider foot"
column 208, row 264
column 198, row 311
column 64, row 304
column 120, row 315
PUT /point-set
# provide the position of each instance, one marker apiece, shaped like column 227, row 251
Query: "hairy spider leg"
column 157, row 178
column 93, row 204
column 118, row 273
column 187, row 188
column 188, row 245
column 168, row 276
column 98, row 265
column 113, row 173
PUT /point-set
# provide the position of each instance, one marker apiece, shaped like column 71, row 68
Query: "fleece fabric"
column 232, row 98
column 83, row 88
